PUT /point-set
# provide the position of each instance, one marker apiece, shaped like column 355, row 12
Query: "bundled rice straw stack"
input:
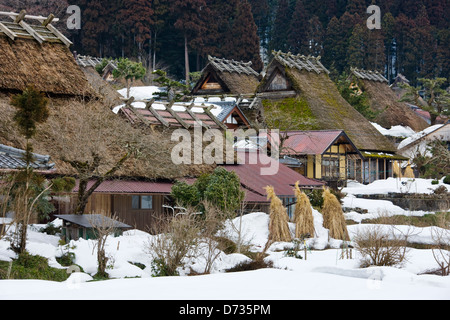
column 278, row 224
column 409, row 173
column 303, row 217
column 396, row 170
column 333, row 217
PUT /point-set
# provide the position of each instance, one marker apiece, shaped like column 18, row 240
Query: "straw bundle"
column 396, row 170
column 333, row 217
column 278, row 224
column 303, row 217
column 409, row 173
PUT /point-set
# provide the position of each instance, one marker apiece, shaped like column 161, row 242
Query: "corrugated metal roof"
column 283, row 179
column 92, row 220
column 127, row 186
column 309, row 142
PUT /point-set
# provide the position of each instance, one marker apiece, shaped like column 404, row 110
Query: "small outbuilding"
column 84, row 226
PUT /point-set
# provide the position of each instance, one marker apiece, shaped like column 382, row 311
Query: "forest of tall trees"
column 178, row 35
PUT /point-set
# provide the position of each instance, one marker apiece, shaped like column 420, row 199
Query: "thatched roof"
column 383, row 99
column 327, row 106
column 102, row 87
column 76, row 130
column 38, row 58
column 221, row 76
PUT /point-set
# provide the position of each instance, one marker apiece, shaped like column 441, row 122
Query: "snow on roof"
column 395, row 131
column 419, row 135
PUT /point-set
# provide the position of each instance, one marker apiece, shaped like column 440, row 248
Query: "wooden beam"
column 7, row 31
column 188, row 110
column 176, row 116
column 217, row 121
column 31, row 31
column 49, row 19
column 20, row 16
column 39, row 18
column 149, row 107
column 59, row 35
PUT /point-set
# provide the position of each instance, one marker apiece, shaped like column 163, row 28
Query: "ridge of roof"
column 224, row 65
column 368, row 75
column 300, row 62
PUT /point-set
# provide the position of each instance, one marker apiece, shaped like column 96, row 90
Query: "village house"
column 325, row 155
column 305, row 78
column 418, row 144
column 226, row 77
column 384, row 102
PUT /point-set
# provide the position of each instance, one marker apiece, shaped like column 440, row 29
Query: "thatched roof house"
column 221, row 76
column 35, row 53
column 305, row 77
column 101, row 86
column 382, row 99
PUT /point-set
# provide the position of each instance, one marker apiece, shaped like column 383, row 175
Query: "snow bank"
column 323, row 273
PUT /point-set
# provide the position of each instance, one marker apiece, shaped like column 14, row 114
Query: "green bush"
column 222, row 188
column 28, row 266
column 447, row 179
column 435, row 182
column 160, row 269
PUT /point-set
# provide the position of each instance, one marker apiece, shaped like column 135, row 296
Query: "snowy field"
column 323, row 275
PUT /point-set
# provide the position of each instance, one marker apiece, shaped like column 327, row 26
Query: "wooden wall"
column 116, row 204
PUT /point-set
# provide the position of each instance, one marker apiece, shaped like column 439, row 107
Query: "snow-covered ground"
column 324, row 274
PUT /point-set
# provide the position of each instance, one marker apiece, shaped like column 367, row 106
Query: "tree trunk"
column 186, row 58
column 84, row 193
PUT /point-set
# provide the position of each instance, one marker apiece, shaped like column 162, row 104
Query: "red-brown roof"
column 312, row 142
column 282, row 178
column 129, row 186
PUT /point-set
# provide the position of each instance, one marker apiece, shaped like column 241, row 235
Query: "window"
column 330, row 167
column 142, row 202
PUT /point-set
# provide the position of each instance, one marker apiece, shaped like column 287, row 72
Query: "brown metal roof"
column 283, row 179
column 129, row 186
column 313, row 142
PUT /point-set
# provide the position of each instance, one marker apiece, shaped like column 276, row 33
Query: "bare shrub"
column 379, row 245
column 103, row 227
column 441, row 239
column 174, row 238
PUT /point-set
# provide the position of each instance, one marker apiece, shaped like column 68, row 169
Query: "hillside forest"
column 178, row 35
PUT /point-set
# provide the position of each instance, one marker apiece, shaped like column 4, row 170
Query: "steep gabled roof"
column 383, row 101
column 226, row 76
column 34, row 55
column 329, row 109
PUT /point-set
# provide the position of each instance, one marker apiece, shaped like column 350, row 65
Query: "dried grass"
column 396, row 170
column 49, row 67
column 409, row 173
column 333, row 216
column 77, row 130
column 383, row 99
column 332, row 111
column 278, row 224
column 303, row 217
